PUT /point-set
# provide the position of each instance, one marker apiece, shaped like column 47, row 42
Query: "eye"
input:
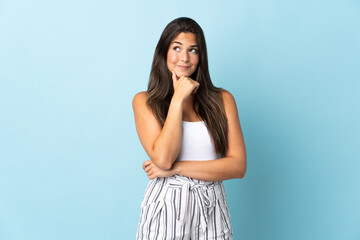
column 176, row 48
column 193, row 50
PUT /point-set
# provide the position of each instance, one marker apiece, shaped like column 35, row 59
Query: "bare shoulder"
column 140, row 99
column 228, row 98
column 142, row 111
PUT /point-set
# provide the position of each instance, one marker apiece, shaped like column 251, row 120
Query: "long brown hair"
column 208, row 98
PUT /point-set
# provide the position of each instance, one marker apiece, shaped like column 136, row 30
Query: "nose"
column 184, row 56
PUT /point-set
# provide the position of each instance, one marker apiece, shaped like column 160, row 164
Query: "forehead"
column 186, row 38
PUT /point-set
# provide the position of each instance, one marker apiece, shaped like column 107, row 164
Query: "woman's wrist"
column 177, row 100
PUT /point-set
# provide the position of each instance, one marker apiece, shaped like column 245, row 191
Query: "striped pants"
column 184, row 208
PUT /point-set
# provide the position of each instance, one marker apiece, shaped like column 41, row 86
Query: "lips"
column 183, row 67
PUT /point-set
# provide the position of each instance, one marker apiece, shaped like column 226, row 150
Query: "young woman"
column 191, row 131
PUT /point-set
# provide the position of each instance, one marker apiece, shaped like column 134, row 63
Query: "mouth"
column 183, row 67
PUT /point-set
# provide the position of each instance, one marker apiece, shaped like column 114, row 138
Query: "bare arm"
column 162, row 144
column 233, row 165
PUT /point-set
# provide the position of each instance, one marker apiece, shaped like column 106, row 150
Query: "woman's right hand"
column 184, row 86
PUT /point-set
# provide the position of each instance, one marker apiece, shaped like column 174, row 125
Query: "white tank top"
column 196, row 144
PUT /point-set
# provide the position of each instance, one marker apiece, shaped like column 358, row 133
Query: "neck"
column 188, row 103
column 188, row 109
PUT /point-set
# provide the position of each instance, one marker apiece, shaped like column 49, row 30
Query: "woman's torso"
column 196, row 144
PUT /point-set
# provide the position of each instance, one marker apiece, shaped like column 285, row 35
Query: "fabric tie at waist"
column 205, row 203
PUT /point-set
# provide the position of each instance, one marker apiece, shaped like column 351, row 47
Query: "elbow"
column 241, row 169
column 241, row 174
column 165, row 166
column 163, row 163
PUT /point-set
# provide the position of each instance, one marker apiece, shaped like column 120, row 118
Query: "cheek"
column 171, row 61
column 172, row 58
column 195, row 60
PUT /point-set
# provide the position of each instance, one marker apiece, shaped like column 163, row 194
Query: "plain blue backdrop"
column 70, row 158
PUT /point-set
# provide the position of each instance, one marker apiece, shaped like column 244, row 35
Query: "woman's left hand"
column 153, row 171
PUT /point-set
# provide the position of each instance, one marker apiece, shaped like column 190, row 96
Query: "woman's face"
column 183, row 55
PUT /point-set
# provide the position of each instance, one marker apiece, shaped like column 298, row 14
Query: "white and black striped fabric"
column 184, row 208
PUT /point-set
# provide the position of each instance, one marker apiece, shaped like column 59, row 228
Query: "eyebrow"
column 182, row 44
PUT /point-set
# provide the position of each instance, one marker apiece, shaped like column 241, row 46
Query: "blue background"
column 70, row 158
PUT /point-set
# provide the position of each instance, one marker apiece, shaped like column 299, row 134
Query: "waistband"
column 199, row 188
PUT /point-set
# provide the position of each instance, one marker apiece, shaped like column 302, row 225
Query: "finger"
column 174, row 77
column 154, row 176
column 146, row 163
column 147, row 168
column 149, row 173
column 151, row 176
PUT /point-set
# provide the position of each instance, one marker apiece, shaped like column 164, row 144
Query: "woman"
column 191, row 131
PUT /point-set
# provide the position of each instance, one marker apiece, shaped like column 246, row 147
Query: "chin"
column 185, row 74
